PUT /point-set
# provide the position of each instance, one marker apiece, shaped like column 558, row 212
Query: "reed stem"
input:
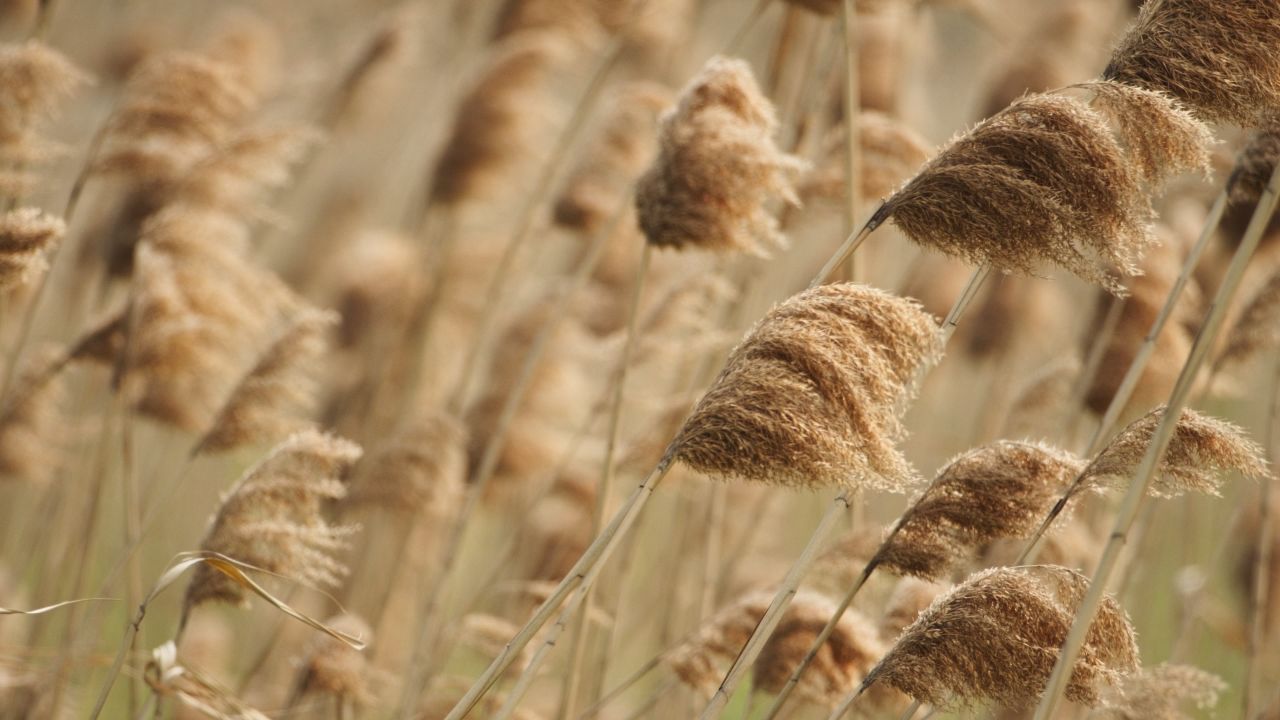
column 1259, row 599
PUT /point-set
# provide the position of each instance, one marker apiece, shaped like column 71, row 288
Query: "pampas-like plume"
column 1048, row 179
column 994, row 491
column 33, row 79
column 813, row 395
column 843, row 660
column 332, row 667
column 1257, row 330
column 1202, row 449
column 420, row 471
column 271, row 400
column 492, row 122
column 891, row 152
column 621, row 152
column 32, row 425
column 1160, row 693
column 273, row 518
column 1196, row 52
column 910, row 597
column 1256, row 162
column 717, row 166
column 994, row 638
column 1042, row 403
column 26, row 235
column 701, row 661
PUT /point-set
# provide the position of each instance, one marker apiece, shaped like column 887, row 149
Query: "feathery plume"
column 961, row 650
column 1201, row 450
column 332, row 667
column 1257, row 161
column 34, row 78
column 848, row 653
column 991, row 492
column 1050, row 55
column 420, row 471
column 374, row 281
column 32, row 425
column 910, row 597
column 1160, row 693
column 271, row 399
column 1195, row 52
column 1147, row 294
column 560, row 525
column 891, row 153
column 1046, row 179
column 623, row 149
column 272, row 518
column 1041, row 404
column 717, row 166
column 701, row 661
column 1157, row 134
column 26, row 235
column 1257, row 329
column 812, row 396
column 492, row 123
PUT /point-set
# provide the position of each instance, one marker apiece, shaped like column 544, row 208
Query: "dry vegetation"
column 568, row 359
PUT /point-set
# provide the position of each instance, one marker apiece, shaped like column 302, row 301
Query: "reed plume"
column 1256, row 162
column 273, row 518
column 34, row 81
column 1195, row 52
column 1049, row 179
column 33, row 427
column 622, row 150
column 1257, row 329
column 850, row 651
column 995, row 491
column 27, row 235
column 701, row 661
column 494, row 118
column 717, row 166
column 1041, row 404
column 1202, row 449
column 959, row 652
column 1161, row 693
column 910, row 597
column 812, row 396
column 272, row 400
column 332, row 667
column 560, row 525
column 890, row 152
column 420, row 471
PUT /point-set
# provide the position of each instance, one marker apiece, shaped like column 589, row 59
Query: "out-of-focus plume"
column 1041, row 405
column 717, row 166
column 841, row 662
column 365, row 86
column 420, row 471
column 813, row 395
column 32, row 425
column 891, row 152
column 273, row 518
column 26, row 237
column 910, row 597
column 1161, row 693
column 34, row 80
column 334, row 668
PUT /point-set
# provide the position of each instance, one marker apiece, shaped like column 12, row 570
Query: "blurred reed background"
column 332, row 332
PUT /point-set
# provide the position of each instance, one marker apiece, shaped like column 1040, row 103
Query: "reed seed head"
column 1195, row 51
column 1201, row 450
column 703, row 660
column 34, row 79
column 813, row 396
column 910, row 597
column 891, row 152
column 1046, row 179
column 1162, row 693
column 272, row 400
column 33, row 426
column 1257, row 162
column 995, row 491
column 717, row 166
column 420, row 471
column 841, row 662
column 1257, row 330
column 1040, row 406
column 26, row 237
column 332, row 667
column 273, row 518
column 964, row 648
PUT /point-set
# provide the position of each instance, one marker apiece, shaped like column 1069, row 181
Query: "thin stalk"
column 592, row 559
column 772, row 616
column 569, row 695
column 537, row 200
column 843, row 708
column 1137, row 491
column 1148, row 346
column 652, row 700
column 910, row 711
column 1259, row 599
column 625, row 685
column 852, row 142
column 714, row 547
column 849, row 247
column 427, row 620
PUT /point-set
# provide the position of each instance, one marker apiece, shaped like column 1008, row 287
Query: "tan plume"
column 1161, row 693
column 26, row 237
column 813, row 395
column 841, row 662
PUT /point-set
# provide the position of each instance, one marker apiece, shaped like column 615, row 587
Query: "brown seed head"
column 891, row 152
column 910, row 597
column 1257, row 330
column 841, row 662
column 621, row 151
column 813, row 395
column 272, row 400
column 493, row 121
column 33, row 427
column 964, row 648
column 1196, row 52
column 1202, row 449
column 332, row 667
column 995, row 491
column 1256, row 163
column 26, row 235
column 1041, row 404
column 1046, row 179
column 717, row 166
column 34, row 78
column 420, row 471
column 273, row 518
column 702, row 661
column 1160, row 693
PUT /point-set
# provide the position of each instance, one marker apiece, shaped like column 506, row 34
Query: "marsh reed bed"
column 568, row 359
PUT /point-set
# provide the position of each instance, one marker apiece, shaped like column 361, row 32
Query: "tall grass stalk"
column 1137, row 490
column 1260, row 599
